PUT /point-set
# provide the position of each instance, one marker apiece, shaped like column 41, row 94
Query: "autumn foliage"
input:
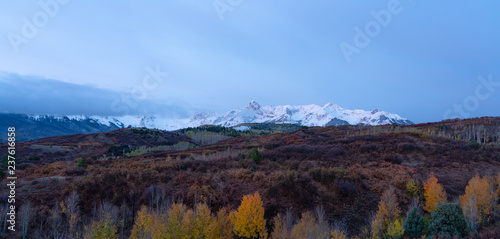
column 343, row 169
column 101, row 229
column 249, row 220
column 434, row 193
column 148, row 224
column 479, row 200
column 388, row 208
column 385, row 221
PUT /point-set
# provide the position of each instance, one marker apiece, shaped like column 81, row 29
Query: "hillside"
column 343, row 169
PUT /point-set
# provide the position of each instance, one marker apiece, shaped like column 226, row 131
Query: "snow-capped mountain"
column 38, row 126
column 307, row 115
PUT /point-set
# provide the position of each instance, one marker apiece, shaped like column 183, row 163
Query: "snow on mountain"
column 307, row 115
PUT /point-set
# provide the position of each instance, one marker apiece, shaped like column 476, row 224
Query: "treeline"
column 209, row 134
column 432, row 215
column 485, row 130
column 472, row 215
column 227, row 131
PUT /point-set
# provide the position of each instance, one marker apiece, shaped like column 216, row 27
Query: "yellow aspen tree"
column 105, row 228
column 388, row 208
column 249, row 219
column 338, row 234
column 434, row 193
column 203, row 219
column 307, row 227
column 479, row 197
column 187, row 224
column 142, row 224
column 158, row 229
column 395, row 230
column 148, row 225
column 280, row 230
column 377, row 228
column 221, row 226
column 175, row 220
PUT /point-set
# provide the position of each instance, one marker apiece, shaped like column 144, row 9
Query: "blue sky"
column 423, row 63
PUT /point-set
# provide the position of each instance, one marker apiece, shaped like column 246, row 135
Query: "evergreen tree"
column 448, row 219
column 414, row 224
column 254, row 155
column 82, row 163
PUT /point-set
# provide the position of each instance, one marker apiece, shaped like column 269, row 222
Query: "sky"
column 423, row 60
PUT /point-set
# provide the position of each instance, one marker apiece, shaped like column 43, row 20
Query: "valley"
column 342, row 171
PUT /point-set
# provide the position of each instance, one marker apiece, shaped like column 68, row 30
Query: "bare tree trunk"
column 72, row 212
column 56, row 220
column 3, row 220
column 107, row 208
column 126, row 216
column 25, row 215
column 471, row 212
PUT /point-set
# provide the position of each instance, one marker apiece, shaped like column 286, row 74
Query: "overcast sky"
column 420, row 59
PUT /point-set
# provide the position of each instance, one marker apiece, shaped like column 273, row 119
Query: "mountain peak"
column 307, row 115
column 253, row 105
column 331, row 105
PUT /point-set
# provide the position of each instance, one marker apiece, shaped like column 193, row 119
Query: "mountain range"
column 40, row 126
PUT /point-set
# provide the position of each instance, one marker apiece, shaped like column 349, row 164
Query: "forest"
column 433, row 180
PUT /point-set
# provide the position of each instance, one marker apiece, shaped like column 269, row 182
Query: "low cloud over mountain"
column 35, row 95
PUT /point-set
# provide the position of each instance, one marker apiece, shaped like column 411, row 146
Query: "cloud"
column 36, row 95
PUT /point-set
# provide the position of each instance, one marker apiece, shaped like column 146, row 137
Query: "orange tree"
column 434, row 193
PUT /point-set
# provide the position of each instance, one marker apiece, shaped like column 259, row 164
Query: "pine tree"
column 82, row 163
column 448, row 219
column 254, row 155
column 414, row 225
